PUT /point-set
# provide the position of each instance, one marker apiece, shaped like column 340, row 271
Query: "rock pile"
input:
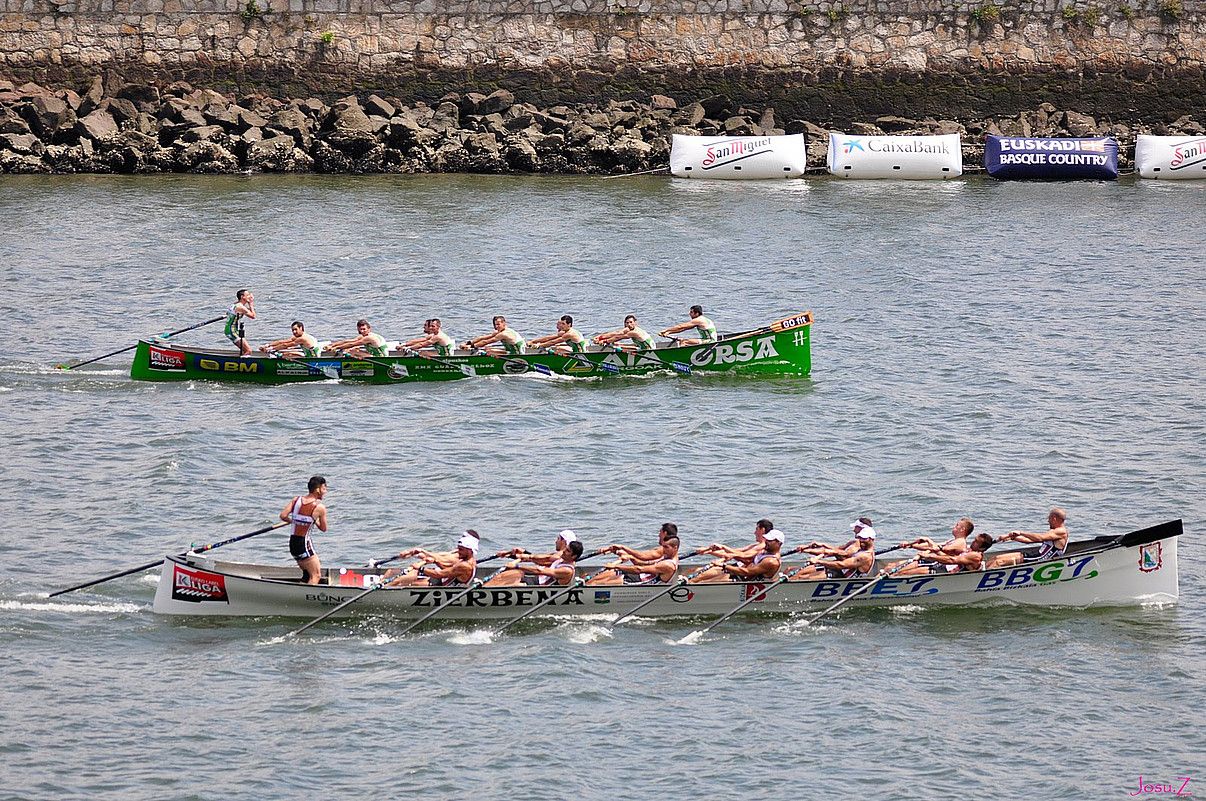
column 116, row 127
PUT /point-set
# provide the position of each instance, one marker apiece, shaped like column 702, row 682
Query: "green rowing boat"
column 781, row 348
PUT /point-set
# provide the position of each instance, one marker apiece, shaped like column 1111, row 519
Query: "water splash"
column 474, row 637
column 51, row 606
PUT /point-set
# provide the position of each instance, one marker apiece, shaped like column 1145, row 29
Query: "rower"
column 436, row 570
column 300, row 344
column 745, row 555
column 433, row 339
column 566, row 340
column 631, row 331
column 364, row 346
column 236, row 332
column 305, row 512
column 510, row 577
column 972, row 558
column 842, row 551
column 509, row 340
column 956, row 545
column 437, row 558
column 535, row 573
column 705, row 327
column 859, row 564
column 1052, row 543
column 764, row 566
column 653, row 566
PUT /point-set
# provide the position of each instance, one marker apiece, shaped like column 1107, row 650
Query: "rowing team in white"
column 502, row 341
column 757, row 561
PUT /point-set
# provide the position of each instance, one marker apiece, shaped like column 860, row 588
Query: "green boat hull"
column 780, row 349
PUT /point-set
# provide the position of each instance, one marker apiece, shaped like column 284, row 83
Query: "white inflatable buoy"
column 914, row 157
column 1170, row 157
column 738, row 157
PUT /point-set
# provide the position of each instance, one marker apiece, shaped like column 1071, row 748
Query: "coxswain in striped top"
column 540, row 568
column 300, row 344
column 703, row 326
column 433, row 340
column 365, row 346
column 437, row 569
column 304, row 513
column 566, row 340
column 631, row 331
column 765, row 564
column 235, row 330
column 744, row 555
column 1053, row 542
column 653, row 566
column 508, row 342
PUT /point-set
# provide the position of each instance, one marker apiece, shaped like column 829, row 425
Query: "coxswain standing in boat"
column 509, row 342
column 305, row 512
column 641, row 340
column 365, row 346
column 300, row 344
column 956, row 545
column 705, row 327
column 433, row 339
column 542, row 569
column 1052, row 543
column 436, row 570
column 235, row 330
column 654, row 566
column 859, row 564
column 567, row 339
column 764, row 566
column 744, row 555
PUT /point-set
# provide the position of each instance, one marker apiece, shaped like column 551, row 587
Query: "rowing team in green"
column 502, row 341
column 757, row 561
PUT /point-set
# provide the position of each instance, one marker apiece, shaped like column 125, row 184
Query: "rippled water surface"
column 980, row 348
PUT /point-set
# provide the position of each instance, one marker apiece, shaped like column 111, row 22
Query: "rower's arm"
column 764, row 569
column 675, row 329
column 287, row 510
column 487, row 339
column 942, row 557
column 320, row 517
column 639, row 556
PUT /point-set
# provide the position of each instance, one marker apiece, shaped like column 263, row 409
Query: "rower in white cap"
column 764, row 566
column 654, row 566
column 856, row 563
column 437, row 570
column 745, row 555
column 540, row 568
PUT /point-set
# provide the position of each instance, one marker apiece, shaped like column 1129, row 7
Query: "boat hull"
column 1095, row 575
column 782, row 348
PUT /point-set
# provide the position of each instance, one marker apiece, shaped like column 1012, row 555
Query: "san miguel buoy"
column 913, row 157
column 1050, row 158
column 1170, row 157
column 738, row 157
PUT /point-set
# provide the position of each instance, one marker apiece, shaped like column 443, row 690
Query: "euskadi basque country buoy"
column 1052, row 159
column 738, row 157
column 1170, row 157
column 914, row 157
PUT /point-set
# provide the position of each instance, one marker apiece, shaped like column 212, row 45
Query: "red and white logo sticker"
column 164, row 359
column 195, row 586
column 755, row 589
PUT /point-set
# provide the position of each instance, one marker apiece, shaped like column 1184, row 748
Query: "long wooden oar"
column 159, row 561
column 681, row 581
column 475, row 585
column 576, row 584
column 168, row 335
column 539, row 368
column 883, row 574
column 758, row 596
column 466, row 369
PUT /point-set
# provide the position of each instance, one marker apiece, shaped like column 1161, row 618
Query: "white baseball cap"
column 469, row 542
column 774, row 534
column 568, row 536
column 862, row 530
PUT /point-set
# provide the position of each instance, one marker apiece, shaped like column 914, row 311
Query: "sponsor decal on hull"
column 1151, row 558
column 517, row 597
column 1046, row 574
column 165, row 359
column 220, row 364
column 197, row 586
column 742, row 352
column 357, row 370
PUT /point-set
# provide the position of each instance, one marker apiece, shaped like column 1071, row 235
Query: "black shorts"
column 300, row 547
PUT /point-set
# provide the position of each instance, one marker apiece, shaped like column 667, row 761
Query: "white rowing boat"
column 1135, row 568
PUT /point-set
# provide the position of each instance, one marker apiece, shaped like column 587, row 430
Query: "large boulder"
column 293, row 122
column 207, row 157
column 47, row 115
column 121, row 109
column 379, row 106
column 11, row 122
column 278, row 154
column 497, row 102
column 1080, row 124
column 98, row 126
column 145, row 96
column 26, row 144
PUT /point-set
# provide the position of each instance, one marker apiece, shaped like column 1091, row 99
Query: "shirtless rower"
column 509, row 342
column 527, row 570
column 436, row 570
column 235, row 330
column 745, row 555
column 956, row 545
column 1052, row 543
column 566, row 340
column 654, row 566
column 972, row 558
column 509, row 577
column 859, row 564
column 300, row 344
column 305, row 512
column 640, row 337
column 764, row 566
column 434, row 339
column 365, row 346
column 705, row 327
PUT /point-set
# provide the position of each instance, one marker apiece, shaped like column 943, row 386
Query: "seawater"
column 980, row 349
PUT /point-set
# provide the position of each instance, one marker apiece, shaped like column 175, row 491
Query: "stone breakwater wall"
column 831, row 60
column 118, row 127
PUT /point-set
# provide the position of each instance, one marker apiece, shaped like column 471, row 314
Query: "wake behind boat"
column 781, row 348
column 1135, row 568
